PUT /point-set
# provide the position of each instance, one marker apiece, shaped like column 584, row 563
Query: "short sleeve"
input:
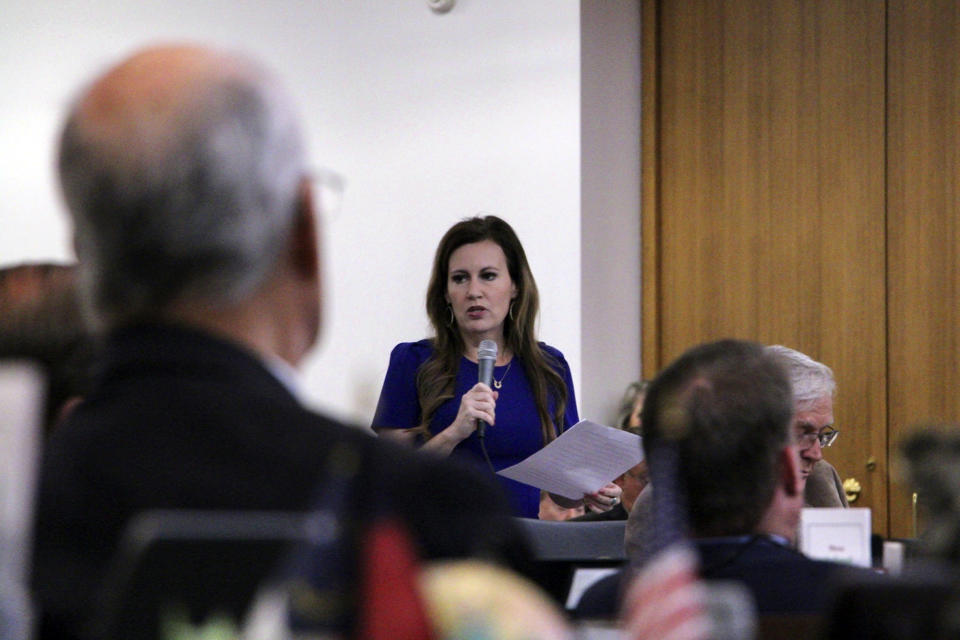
column 570, row 414
column 398, row 407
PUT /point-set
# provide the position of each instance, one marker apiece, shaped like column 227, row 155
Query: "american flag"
column 666, row 600
column 391, row 607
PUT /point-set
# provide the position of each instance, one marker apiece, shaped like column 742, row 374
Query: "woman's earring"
column 451, row 320
column 510, row 312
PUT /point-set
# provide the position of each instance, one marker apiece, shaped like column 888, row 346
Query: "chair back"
column 174, row 567
column 561, row 549
column 575, row 541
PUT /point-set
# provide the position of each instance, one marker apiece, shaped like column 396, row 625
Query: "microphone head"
column 487, row 350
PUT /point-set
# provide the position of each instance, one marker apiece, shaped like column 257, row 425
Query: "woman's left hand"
column 603, row 500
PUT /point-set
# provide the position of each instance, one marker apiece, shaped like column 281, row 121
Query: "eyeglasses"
column 825, row 436
column 328, row 186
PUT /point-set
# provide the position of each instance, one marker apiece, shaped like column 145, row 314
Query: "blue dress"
column 516, row 434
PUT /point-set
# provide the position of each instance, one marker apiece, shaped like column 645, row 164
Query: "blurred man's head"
column 813, row 390
column 184, row 171
column 726, row 408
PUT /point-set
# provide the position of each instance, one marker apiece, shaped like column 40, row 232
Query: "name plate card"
column 838, row 535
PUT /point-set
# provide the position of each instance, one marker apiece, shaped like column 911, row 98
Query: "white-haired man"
column 184, row 172
column 814, row 388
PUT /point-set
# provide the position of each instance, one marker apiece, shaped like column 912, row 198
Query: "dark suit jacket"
column 781, row 580
column 616, row 513
column 182, row 420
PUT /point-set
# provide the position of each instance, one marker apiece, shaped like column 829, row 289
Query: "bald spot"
column 141, row 104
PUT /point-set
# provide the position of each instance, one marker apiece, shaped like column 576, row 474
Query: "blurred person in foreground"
column 482, row 288
column 186, row 178
column 41, row 321
column 814, row 388
column 726, row 409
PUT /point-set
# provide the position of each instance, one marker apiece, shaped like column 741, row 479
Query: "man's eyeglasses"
column 328, row 186
column 825, row 436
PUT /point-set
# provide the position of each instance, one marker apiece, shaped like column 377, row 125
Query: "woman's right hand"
column 479, row 403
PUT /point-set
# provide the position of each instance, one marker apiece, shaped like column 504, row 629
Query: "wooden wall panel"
column 923, row 229
column 768, row 199
column 649, row 190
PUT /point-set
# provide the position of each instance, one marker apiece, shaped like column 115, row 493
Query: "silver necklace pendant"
column 499, row 383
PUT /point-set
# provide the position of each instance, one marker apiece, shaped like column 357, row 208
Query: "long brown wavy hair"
column 436, row 377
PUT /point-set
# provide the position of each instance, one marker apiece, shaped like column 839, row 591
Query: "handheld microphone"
column 486, row 359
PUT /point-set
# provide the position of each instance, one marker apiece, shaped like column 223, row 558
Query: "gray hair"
column 197, row 208
column 634, row 390
column 811, row 380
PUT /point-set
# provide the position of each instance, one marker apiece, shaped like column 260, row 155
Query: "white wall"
column 430, row 118
column 610, row 197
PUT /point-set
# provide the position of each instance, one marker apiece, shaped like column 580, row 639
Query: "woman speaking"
column 481, row 288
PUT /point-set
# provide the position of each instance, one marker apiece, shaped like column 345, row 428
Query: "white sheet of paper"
column 582, row 460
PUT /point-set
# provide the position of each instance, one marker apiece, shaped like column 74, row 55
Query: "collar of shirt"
column 772, row 537
column 285, row 374
column 783, row 542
